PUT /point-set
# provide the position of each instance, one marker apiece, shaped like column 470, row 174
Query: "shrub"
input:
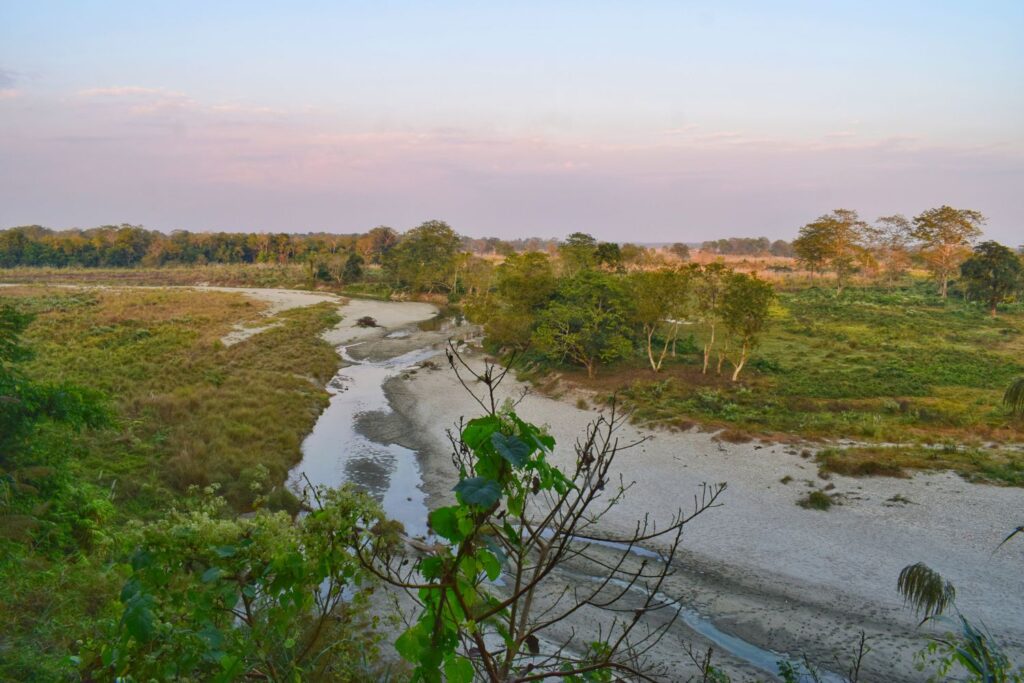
column 816, row 500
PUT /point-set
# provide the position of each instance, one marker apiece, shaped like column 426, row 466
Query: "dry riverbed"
column 780, row 576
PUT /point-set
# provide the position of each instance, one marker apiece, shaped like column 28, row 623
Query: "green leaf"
column 512, row 448
column 478, row 431
column 225, row 550
column 490, row 564
column 138, row 619
column 431, row 567
column 211, row 574
column 458, row 669
column 445, row 523
column 478, row 491
column 409, row 645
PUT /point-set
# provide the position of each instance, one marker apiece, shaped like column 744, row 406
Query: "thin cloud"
column 7, row 79
column 128, row 91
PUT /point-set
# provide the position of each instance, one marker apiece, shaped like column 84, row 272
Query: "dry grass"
column 191, row 412
column 997, row 466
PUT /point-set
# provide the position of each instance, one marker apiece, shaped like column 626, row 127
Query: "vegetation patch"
column 185, row 410
column 988, row 465
column 816, row 500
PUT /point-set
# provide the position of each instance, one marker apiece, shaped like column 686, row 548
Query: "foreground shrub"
column 217, row 597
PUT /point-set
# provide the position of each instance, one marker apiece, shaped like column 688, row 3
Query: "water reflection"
column 335, row 452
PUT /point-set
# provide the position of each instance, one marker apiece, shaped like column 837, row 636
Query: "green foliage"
column 424, row 259
column 38, row 499
column 183, row 409
column 993, row 274
column 744, row 313
column 523, row 284
column 925, row 590
column 506, row 465
column 970, row 649
column 1014, row 397
column 216, row 597
column 945, row 234
column 835, row 241
column 578, row 252
column 874, row 364
column 816, row 500
column 586, row 323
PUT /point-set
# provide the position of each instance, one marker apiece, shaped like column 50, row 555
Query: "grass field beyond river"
column 870, row 365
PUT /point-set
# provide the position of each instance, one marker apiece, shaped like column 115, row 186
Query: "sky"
column 633, row 121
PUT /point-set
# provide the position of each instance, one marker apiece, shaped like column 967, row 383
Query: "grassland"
column 273, row 275
column 190, row 411
column 187, row 411
column 872, row 366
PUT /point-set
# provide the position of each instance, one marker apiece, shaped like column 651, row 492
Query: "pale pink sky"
column 685, row 122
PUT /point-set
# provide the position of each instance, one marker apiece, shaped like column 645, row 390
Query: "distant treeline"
column 748, row 246
column 120, row 246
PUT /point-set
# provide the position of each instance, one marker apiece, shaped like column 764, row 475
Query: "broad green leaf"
column 445, row 523
column 478, row 431
column 409, row 644
column 211, row 574
column 512, row 448
column 138, row 618
column 478, row 491
column 458, row 669
column 490, row 564
column 431, row 567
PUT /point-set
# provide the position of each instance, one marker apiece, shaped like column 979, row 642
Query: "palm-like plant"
column 1014, row 397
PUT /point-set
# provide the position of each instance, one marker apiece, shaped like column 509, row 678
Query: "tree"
column 709, row 288
column 585, row 323
column 781, row 248
column 680, row 251
column 609, row 255
column 578, row 252
column 745, row 306
column 376, row 243
column 889, row 239
column 518, row 518
column 523, row 285
column 946, row 235
column 424, row 259
column 660, row 299
column 835, row 240
column 992, row 274
column 353, row 269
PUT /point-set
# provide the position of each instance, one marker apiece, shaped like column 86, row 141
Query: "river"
column 335, row 452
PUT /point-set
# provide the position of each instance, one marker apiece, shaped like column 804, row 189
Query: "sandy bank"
column 778, row 575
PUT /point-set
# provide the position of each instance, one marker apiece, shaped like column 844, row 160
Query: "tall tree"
column 745, row 308
column 835, row 241
column 992, row 274
column 889, row 239
column 709, row 289
column 376, row 243
column 681, row 251
column 946, row 235
column 578, row 252
column 586, row 323
column 660, row 299
column 424, row 259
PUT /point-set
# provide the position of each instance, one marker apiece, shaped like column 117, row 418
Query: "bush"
column 816, row 500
